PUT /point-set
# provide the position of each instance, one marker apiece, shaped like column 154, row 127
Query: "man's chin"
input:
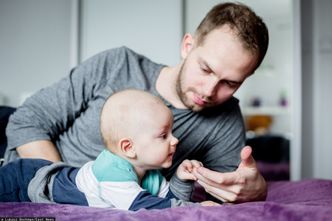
column 192, row 105
column 197, row 108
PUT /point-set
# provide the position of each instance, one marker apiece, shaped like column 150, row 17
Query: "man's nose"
column 210, row 87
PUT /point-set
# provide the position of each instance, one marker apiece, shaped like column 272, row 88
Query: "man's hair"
column 249, row 27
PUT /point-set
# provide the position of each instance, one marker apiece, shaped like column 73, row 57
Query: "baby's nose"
column 174, row 141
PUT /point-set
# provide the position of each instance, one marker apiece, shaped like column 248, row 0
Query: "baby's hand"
column 209, row 203
column 185, row 169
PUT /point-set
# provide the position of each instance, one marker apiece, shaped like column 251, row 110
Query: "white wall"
column 40, row 39
column 322, row 81
column 150, row 27
column 316, row 83
column 34, row 45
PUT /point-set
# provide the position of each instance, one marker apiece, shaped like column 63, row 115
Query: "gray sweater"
column 67, row 113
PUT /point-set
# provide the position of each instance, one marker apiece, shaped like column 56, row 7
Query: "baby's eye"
column 205, row 70
column 163, row 136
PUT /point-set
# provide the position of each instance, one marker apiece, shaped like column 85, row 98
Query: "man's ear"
column 187, row 45
column 126, row 147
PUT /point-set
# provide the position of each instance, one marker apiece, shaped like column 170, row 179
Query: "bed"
column 287, row 200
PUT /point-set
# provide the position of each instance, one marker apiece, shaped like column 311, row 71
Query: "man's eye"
column 231, row 84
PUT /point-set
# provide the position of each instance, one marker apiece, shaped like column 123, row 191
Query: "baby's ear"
column 126, row 147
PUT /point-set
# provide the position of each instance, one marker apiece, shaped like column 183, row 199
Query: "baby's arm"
column 183, row 181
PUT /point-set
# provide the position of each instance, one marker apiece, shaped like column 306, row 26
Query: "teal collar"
column 110, row 167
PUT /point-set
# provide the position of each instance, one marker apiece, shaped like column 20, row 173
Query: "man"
column 61, row 122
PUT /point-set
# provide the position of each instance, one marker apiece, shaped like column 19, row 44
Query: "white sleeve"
column 119, row 194
column 106, row 194
column 164, row 188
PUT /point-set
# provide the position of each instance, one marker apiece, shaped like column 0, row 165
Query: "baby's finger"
column 196, row 163
column 187, row 165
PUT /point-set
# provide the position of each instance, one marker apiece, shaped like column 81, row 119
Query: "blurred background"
column 286, row 104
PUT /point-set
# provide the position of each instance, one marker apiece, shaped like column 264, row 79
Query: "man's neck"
column 166, row 85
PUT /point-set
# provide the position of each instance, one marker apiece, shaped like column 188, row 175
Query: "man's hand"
column 244, row 184
column 185, row 169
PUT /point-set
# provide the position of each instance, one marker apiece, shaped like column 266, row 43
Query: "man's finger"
column 196, row 163
column 189, row 176
column 246, row 158
column 214, row 178
column 226, row 185
column 218, row 193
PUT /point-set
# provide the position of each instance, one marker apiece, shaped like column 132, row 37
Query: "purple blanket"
column 304, row 200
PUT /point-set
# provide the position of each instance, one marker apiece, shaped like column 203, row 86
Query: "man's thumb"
column 246, row 157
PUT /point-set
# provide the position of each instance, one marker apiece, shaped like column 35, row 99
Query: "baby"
column 136, row 128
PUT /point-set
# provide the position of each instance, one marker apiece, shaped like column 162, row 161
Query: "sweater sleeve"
column 52, row 110
column 181, row 189
column 171, row 194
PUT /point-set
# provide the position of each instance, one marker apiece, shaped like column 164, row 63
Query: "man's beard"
column 182, row 94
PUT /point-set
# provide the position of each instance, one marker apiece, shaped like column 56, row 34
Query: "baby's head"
column 137, row 126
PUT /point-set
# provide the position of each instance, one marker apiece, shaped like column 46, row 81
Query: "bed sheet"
column 286, row 200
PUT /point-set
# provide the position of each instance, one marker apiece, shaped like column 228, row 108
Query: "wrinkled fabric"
column 296, row 201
